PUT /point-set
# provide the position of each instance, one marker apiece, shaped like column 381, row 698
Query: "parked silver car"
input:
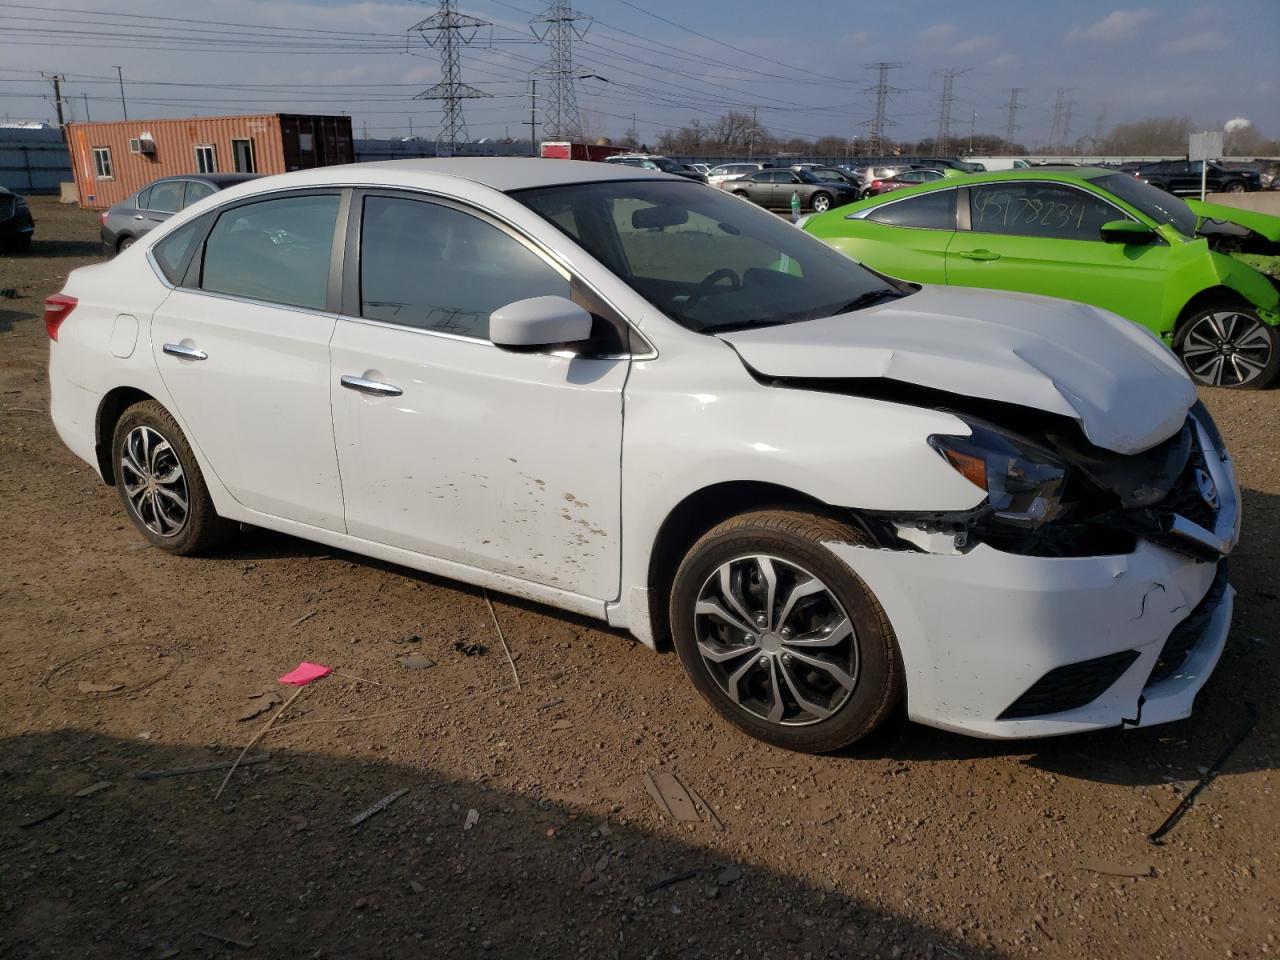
column 157, row 202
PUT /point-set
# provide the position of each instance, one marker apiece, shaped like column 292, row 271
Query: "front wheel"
column 782, row 638
column 821, row 202
column 160, row 483
column 1229, row 346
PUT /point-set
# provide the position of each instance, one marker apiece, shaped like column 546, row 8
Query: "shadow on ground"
column 142, row 868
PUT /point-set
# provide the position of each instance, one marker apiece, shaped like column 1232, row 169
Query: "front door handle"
column 979, row 255
column 138, row 216
column 371, row 387
column 185, row 353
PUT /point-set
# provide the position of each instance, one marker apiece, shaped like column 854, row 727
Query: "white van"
column 988, row 164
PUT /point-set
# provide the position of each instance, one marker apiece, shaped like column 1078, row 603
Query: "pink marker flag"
column 304, row 673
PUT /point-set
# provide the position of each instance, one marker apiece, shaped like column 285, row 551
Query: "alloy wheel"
column 1226, row 348
column 154, row 482
column 776, row 640
column 821, row 203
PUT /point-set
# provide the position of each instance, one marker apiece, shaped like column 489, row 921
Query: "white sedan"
column 624, row 395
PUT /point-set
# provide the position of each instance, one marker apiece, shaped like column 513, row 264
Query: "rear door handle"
column 138, row 216
column 371, row 387
column 185, row 353
column 979, row 255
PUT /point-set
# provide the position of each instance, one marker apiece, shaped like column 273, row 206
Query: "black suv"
column 16, row 225
column 1183, row 177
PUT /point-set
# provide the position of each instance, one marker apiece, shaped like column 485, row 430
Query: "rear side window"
column 143, row 197
column 166, row 197
column 197, row 190
column 432, row 267
column 173, row 253
column 932, row 211
column 273, row 250
column 1047, row 210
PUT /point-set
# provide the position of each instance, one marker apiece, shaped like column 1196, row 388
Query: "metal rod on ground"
column 256, row 737
column 501, row 639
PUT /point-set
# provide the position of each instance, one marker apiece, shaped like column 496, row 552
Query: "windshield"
column 1155, row 203
column 666, row 165
column 707, row 260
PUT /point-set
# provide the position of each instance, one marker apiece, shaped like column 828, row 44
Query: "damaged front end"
column 1051, row 493
column 1246, row 237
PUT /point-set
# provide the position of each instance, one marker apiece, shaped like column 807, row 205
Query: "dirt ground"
column 915, row 844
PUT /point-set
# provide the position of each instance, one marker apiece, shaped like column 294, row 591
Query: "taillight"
column 103, row 218
column 875, row 184
column 56, row 309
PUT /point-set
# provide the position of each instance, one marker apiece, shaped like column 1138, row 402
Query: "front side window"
column 206, row 158
column 102, row 163
column 273, row 250
column 933, row 211
column 433, row 267
column 1155, row 203
column 708, row 261
column 1029, row 209
column 166, row 197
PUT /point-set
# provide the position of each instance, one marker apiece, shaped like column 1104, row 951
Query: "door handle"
column 185, row 353
column 979, row 255
column 371, row 387
column 138, row 216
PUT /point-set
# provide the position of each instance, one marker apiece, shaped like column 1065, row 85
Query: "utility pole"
column 56, row 80
column 881, row 91
column 1013, row 106
column 1066, row 123
column 533, row 117
column 751, row 137
column 973, row 121
column 87, row 118
column 450, row 31
column 124, row 107
column 560, row 25
column 944, row 108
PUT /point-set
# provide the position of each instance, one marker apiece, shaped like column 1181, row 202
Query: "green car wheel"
column 1228, row 346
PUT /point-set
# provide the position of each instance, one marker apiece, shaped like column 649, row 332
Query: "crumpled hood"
column 1264, row 224
column 1126, row 390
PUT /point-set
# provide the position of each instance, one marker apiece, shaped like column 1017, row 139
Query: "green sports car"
column 1204, row 278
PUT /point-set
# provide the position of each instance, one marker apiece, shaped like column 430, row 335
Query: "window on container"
column 243, row 155
column 206, row 158
column 273, row 250
column 102, row 163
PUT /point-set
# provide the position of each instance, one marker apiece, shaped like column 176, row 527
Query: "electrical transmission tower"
column 1013, row 106
column 1060, row 129
column 1068, row 107
column 558, row 27
column 882, row 91
column 944, row 108
column 450, row 31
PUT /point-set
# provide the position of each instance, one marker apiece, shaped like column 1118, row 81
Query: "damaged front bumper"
column 999, row 645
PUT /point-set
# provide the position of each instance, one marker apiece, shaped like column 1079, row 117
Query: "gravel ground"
column 914, row 844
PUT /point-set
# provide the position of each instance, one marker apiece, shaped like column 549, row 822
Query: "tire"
column 124, row 244
column 1234, row 186
column 742, row 193
column 818, row 713
column 820, row 202
column 147, row 446
column 1227, row 345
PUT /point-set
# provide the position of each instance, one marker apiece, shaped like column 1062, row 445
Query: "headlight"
column 1023, row 480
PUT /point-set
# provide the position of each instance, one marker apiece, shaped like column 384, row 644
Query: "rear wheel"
column 124, row 244
column 160, row 483
column 1234, row 186
column 821, row 202
column 782, row 638
column 1229, row 346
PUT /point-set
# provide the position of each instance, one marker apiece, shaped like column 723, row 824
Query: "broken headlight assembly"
column 1023, row 480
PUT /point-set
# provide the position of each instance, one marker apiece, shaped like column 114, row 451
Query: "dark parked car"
column 834, row 175
column 907, row 178
column 157, row 202
column 16, row 225
column 652, row 161
column 773, row 189
column 1183, row 177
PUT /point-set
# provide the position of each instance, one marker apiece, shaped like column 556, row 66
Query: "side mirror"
column 539, row 322
column 1126, row 231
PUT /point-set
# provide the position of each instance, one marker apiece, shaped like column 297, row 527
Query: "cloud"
column 946, row 36
column 860, row 39
column 1005, row 60
column 1202, row 42
column 974, row 44
column 939, row 34
column 1116, row 25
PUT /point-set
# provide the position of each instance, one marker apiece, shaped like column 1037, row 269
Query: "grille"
column 1072, row 686
column 1184, row 637
column 7, row 205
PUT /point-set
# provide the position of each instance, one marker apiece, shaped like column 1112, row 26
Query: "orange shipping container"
column 114, row 160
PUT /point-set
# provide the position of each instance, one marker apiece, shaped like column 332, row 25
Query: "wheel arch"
column 1219, row 294
column 697, row 513
column 110, row 410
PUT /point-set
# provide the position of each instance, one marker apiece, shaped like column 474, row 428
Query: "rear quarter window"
column 932, row 211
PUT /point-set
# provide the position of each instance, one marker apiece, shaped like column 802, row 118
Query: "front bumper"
column 979, row 631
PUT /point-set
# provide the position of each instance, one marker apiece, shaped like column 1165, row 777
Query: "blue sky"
column 803, row 66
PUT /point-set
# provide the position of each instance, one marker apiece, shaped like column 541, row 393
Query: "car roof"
column 218, row 179
column 499, row 173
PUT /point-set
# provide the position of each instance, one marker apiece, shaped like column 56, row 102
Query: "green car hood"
column 1263, row 224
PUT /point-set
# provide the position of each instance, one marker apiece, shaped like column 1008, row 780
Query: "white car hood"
column 1126, row 390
